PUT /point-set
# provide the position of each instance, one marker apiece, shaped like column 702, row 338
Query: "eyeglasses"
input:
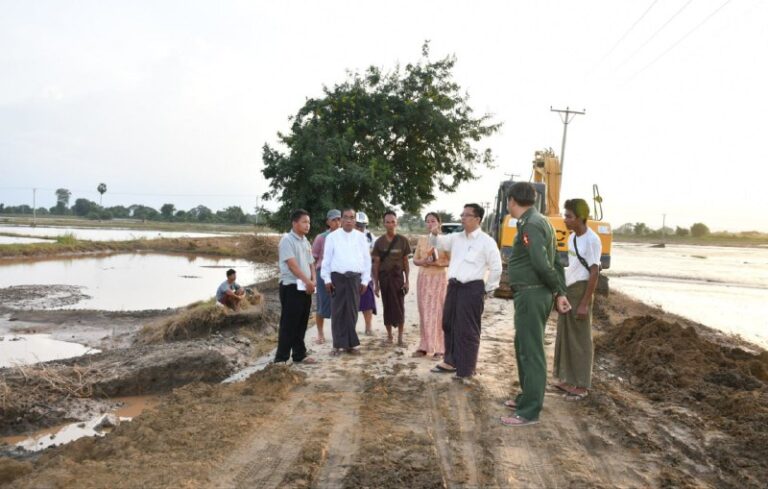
column 467, row 215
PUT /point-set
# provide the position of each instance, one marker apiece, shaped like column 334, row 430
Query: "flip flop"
column 510, row 403
column 516, row 421
column 574, row 397
column 439, row 369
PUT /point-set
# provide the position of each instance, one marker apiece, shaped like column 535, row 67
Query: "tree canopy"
column 379, row 140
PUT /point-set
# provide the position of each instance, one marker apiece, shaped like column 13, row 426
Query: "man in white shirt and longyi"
column 346, row 270
column 473, row 254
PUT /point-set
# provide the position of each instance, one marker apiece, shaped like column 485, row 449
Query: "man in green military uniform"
column 535, row 276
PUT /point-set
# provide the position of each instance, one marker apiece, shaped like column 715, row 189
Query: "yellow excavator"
column 546, row 178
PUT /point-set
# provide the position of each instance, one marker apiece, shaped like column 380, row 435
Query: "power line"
column 653, row 36
column 673, row 46
column 626, row 33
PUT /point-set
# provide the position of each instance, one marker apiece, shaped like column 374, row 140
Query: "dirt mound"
column 201, row 321
column 176, row 445
column 726, row 387
column 47, row 394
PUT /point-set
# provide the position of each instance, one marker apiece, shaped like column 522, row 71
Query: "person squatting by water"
column 390, row 275
column 535, row 277
column 367, row 301
column 573, row 346
column 431, row 286
column 346, row 270
column 473, row 254
column 323, row 302
column 230, row 294
column 297, row 284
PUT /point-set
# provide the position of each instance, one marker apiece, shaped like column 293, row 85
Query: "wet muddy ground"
column 671, row 407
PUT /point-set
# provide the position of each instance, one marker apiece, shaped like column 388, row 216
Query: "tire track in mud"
column 265, row 457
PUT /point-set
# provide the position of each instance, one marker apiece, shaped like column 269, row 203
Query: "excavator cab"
column 546, row 180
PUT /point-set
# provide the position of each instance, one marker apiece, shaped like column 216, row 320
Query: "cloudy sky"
column 172, row 101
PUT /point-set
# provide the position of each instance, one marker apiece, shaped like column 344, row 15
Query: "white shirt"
column 471, row 256
column 346, row 252
column 590, row 249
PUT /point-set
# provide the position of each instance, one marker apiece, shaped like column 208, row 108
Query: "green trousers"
column 532, row 308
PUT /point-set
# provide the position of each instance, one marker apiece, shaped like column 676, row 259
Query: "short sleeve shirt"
column 590, row 249
column 294, row 246
column 392, row 262
column 224, row 287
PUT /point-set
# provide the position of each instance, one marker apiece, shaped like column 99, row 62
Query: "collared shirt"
column 533, row 261
column 346, row 252
column 294, row 246
column 471, row 256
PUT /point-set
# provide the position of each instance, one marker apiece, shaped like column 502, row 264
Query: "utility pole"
column 34, row 207
column 566, row 115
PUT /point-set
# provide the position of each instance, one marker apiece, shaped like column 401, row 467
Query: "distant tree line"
column 168, row 212
column 697, row 230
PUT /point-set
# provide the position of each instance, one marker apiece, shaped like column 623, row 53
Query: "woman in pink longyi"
column 431, row 287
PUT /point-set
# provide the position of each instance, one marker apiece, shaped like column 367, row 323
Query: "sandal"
column 510, row 403
column 441, row 369
column 419, row 353
column 516, row 420
column 575, row 396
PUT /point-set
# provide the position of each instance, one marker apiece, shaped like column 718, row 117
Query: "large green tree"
column 379, row 140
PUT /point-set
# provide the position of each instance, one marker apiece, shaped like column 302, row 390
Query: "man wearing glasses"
column 473, row 253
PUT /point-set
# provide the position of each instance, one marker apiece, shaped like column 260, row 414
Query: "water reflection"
column 27, row 349
column 131, row 281
column 101, row 234
column 725, row 288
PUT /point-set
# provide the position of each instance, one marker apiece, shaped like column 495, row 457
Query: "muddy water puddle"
column 28, row 349
column 121, row 282
column 724, row 288
column 101, row 234
column 127, row 409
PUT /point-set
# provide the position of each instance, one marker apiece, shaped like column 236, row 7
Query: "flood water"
column 102, row 234
column 60, row 435
column 20, row 240
column 721, row 287
column 130, row 281
column 24, row 349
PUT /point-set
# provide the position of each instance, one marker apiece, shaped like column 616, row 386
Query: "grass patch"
column 258, row 248
column 201, row 319
column 66, row 239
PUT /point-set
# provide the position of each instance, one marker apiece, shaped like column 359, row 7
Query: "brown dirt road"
column 382, row 420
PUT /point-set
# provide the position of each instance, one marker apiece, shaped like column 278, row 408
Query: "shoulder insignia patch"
column 526, row 239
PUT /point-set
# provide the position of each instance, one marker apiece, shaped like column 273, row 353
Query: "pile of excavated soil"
column 726, row 387
column 43, row 395
column 176, row 445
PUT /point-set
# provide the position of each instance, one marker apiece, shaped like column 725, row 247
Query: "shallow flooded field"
column 26, row 349
column 724, row 288
column 100, row 234
column 20, row 240
column 120, row 282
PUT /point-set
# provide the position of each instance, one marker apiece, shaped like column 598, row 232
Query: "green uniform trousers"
column 532, row 308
